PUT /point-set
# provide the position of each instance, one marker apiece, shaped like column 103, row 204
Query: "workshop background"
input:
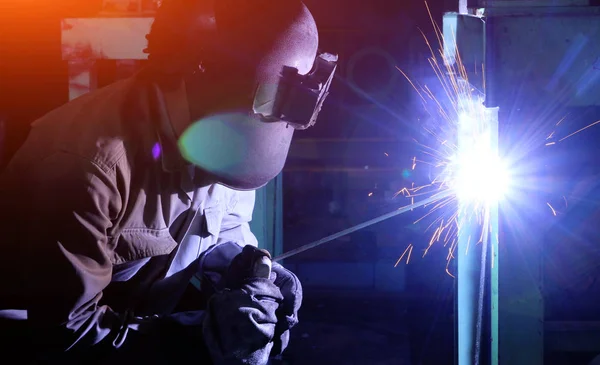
column 359, row 307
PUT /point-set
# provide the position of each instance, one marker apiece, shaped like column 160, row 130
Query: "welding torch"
column 261, row 263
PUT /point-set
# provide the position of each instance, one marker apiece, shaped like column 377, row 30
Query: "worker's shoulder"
column 102, row 126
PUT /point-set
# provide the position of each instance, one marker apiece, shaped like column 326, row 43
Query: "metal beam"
column 476, row 257
column 494, row 234
column 476, row 290
column 463, row 44
column 529, row 77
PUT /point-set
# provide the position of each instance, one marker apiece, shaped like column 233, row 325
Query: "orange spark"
column 552, row 209
column 580, row 130
column 407, row 250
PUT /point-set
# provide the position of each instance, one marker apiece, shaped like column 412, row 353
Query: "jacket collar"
column 170, row 108
column 167, row 109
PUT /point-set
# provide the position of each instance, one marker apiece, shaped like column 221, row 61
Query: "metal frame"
column 513, row 51
column 464, row 43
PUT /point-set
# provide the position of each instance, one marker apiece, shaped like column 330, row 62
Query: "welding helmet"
column 245, row 145
column 297, row 99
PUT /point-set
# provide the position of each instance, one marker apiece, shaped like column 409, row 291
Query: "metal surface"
column 516, row 301
column 542, row 60
column 468, row 269
column 552, row 56
column 463, row 44
column 477, row 242
column 521, row 306
column 494, row 267
column 551, row 53
column 573, row 336
column 476, row 291
column 540, row 56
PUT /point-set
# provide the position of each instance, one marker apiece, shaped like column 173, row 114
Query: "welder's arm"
column 262, row 311
column 73, row 202
column 235, row 226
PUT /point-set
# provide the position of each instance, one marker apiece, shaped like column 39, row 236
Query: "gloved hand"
column 251, row 263
column 287, row 312
column 256, row 263
column 250, row 319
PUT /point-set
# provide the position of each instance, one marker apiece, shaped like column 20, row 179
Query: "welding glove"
column 287, row 313
column 248, row 317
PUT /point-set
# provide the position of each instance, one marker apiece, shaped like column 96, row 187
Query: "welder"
column 125, row 214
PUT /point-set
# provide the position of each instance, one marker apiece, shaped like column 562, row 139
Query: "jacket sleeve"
column 235, row 226
column 71, row 203
column 259, row 312
column 249, row 312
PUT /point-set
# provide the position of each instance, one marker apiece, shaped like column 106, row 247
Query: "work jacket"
column 96, row 207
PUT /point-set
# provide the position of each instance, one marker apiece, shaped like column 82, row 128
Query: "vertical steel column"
column 467, row 280
column 477, row 262
column 492, row 104
column 477, row 241
column 464, row 35
column 491, row 292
